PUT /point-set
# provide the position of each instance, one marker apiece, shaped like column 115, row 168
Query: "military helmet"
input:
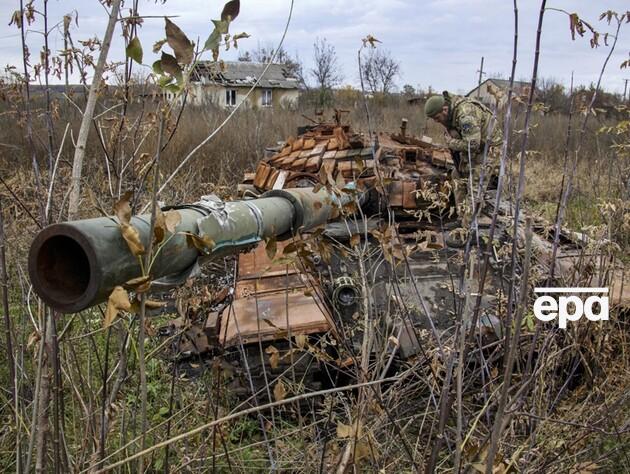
column 433, row 105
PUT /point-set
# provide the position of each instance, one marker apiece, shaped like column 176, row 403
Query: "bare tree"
column 265, row 55
column 409, row 91
column 86, row 122
column 326, row 71
column 380, row 71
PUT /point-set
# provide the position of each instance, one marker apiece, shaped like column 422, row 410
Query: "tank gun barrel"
column 76, row 265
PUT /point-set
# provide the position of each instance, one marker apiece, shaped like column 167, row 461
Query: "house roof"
column 245, row 74
column 503, row 84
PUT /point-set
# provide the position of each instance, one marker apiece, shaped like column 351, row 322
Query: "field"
column 121, row 387
column 97, row 380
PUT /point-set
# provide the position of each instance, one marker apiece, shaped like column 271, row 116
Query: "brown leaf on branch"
column 16, row 19
column 204, row 244
column 169, row 65
column 132, row 237
column 300, row 341
column 157, row 46
column 179, row 42
column 355, row 240
column 172, row 219
column 118, row 301
column 343, row 430
column 231, row 10
column 274, row 356
column 159, row 227
column 165, row 222
column 141, row 284
column 371, row 40
column 279, row 391
column 122, row 208
column 271, row 248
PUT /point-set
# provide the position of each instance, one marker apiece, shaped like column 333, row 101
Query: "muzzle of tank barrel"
column 76, row 265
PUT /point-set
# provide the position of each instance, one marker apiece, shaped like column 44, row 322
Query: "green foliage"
column 134, row 50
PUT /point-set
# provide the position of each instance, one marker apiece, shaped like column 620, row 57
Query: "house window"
column 230, row 97
column 267, row 98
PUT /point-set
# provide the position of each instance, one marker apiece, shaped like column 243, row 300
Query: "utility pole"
column 480, row 71
column 625, row 89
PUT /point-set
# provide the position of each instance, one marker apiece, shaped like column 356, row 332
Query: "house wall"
column 489, row 100
column 482, row 94
column 216, row 94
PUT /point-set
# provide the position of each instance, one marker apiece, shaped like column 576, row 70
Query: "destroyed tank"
column 332, row 226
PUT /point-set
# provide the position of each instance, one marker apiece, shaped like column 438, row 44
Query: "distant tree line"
column 380, row 70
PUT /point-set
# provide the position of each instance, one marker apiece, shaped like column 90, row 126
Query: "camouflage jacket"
column 471, row 119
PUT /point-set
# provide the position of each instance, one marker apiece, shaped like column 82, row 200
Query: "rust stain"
column 267, row 296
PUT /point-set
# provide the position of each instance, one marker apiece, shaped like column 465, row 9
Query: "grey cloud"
column 439, row 43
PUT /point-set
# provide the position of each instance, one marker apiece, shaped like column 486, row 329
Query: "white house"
column 226, row 84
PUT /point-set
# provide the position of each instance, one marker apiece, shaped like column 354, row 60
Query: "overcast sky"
column 438, row 42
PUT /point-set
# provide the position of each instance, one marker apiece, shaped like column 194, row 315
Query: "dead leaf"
column 132, row 237
column 141, row 284
column 361, row 450
column 344, row 431
column 231, row 10
column 279, row 391
column 159, row 227
column 149, row 329
column 157, row 46
column 371, row 40
column 148, row 304
column 179, row 42
column 238, row 37
column 271, row 248
column 274, row 356
column 291, row 248
column 16, row 19
column 355, row 240
column 172, row 219
column 118, row 301
column 300, row 341
column 122, row 209
column 33, row 338
column 204, row 244
column 169, row 65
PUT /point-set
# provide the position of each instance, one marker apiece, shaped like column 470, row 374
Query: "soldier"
column 470, row 126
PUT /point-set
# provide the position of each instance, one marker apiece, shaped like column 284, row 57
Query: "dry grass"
column 575, row 431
